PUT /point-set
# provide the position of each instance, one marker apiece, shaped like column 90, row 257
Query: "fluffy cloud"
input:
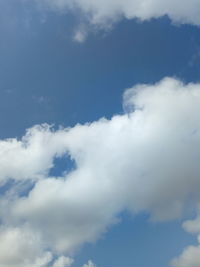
column 144, row 160
column 103, row 11
column 192, row 226
column 32, row 156
column 189, row 258
column 22, row 248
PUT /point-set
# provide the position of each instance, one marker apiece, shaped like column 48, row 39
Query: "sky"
column 100, row 133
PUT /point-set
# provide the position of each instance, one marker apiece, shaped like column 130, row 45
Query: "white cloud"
column 102, row 12
column 192, row 226
column 20, row 247
column 63, row 261
column 89, row 264
column 144, row 160
column 32, row 156
column 189, row 258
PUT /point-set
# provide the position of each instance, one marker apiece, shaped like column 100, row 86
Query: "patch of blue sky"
column 137, row 242
column 62, row 166
column 46, row 77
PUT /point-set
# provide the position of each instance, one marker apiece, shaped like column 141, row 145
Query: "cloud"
column 22, row 248
column 192, row 226
column 189, row 258
column 144, row 160
column 104, row 12
column 63, row 262
column 89, row 264
column 31, row 157
column 80, row 35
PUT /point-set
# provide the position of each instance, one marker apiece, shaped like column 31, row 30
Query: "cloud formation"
column 102, row 12
column 189, row 258
column 89, row 264
column 144, row 160
column 22, row 248
column 63, row 262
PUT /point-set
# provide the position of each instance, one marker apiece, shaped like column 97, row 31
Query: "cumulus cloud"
column 144, row 160
column 103, row 11
column 30, row 157
column 192, row 226
column 189, row 258
column 20, row 247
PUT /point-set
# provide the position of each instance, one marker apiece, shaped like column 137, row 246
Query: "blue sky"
column 47, row 76
column 49, row 71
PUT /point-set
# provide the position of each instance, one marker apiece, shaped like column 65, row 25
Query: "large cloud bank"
column 144, row 160
column 103, row 11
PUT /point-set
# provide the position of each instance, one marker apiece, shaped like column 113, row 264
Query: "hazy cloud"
column 89, row 264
